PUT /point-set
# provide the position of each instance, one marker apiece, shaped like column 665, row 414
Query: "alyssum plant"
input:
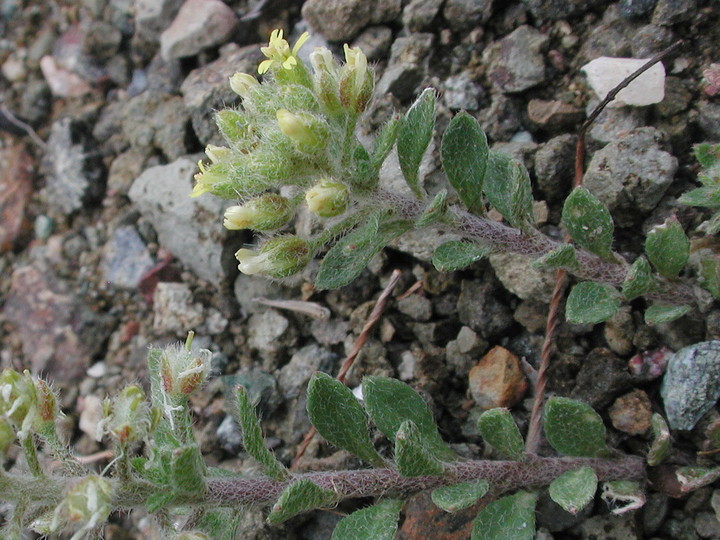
column 295, row 131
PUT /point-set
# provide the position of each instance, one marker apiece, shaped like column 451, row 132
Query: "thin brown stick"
column 532, row 441
column 373, row 318
column 14, row 120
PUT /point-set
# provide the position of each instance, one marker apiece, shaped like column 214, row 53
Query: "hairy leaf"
column 692, row 478
column 659, row 313
column 414, row 138
column 499, row 430
column 434, row 211
column 464, row 152
column 253, row 438
column 573, row 490
column 384, row 142
column 639, row 279
column 411, row 456
column 574, row 428
column 623, row 496
column 339, row 417
column 390, row 402
column 377, row 522
column 660, row 447
column 708, row 155
column 510, row 517
column 455, row 255
column 710, row 275
column 591, row 303
column 589, row 222
column 300, row 496
column 668, row 248
column 562, row 256
column 459, row 496
column 507, row 187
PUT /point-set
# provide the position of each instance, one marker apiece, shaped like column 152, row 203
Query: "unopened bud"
column 87, row 502
column 47, row 404
column 183, row 371
column 279, row 257
column 307, row 131
column 356, row 81
column 7, row 434
column 242, row 84
column 17, row 396
column 263, row 213
column 129, row 418
column 217, row 153
column 328, row 198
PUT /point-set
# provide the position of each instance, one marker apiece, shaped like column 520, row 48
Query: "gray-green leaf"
column 300, row 496
column 589, row 222
column 187, row 470
column 512, row 517
column 459, row 496
column 339, row 417
column 411, row 456
column 499, row 430
column 710, row 275
column 464, row 152
column 390, row 402
column 591, row 303
column 377, row 522
column 455, row 255
column 668, row 248
column 574, row 428
column 507, row 187
column 414, row 138
column 659, row 313
column 562, row 256
column 384, row 142
column 573, row 490
column 660, row 447
column 434, row 211
column 639, row 279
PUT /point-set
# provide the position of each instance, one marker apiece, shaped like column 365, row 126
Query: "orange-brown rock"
column 497, row 380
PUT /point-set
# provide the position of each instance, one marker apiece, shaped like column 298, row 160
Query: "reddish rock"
column 425, row 520
column 553, row 114
column 632, row 413
column 16, row 171
column 497, row 380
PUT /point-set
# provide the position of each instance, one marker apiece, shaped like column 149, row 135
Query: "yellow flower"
column 204, row 183
column 278, row 51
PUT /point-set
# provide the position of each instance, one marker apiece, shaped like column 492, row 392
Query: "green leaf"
column 659, row 313
column 507, row 187
column 464, row 151
column 158, row 500
column 384, row 142
column 574, row 428
column 562, row 256
column 692, row 478
column 220, row 523
column 364, row 176
column 573, row 490
column 411, row 456
column 660, row 447
column 390, row 402
column 499, row 430
column 455, row 255
column 703, row 196
column 253, row 438
column 591, row 303
column 187, row 470
column 710, row 275
column 707, row 154
column 300, row 496
column 414, row 138
column 434, row 211
column 512, row 517
column 339, row 417
column 589, row 222
column 351, row 254
column 639, row 279
column 377, row 522
column 459, row 496
column 668, row 248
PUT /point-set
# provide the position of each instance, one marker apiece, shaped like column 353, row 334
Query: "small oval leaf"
column 573, row 490
column 300, row 496
column 591, row 303
column 377, row 522
column 668, row 248
column 499, row 430
column 589, row 222
column 414, row 138
column 510, row 517
column 459, row 496
column 455, row 255
column 574, row 428
column 411, row 456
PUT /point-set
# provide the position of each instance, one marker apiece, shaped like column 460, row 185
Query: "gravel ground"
column 104, row 255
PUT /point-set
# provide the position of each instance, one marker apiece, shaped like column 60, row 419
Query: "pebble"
column 520, row 278
column 631, row 175
column 554, row 162
column 424, row 519
column 294, row 376
column 416, row 307
column 90, row 416
column 478, row 308
column 174, row 311
column 156, row 119
column 269, row 333
column 461, row 92
column 407, row 66
column 16, row 188
column 553, row 115
column 342, row 20
column 650, row 40
column 261, row 388
column 619, row 331
column 497, row 380
column 606, row 73
column 374, row 41
column 229, row 436
column 419, row 14
column 610, row 526
column 516, row 62
column 199, row 24
column 602, row 377
column 463, row 15
column 154, row 16
column 670, row 12
column 63, row 83
column 126, row 259
column 632, row 413
column 708, row 119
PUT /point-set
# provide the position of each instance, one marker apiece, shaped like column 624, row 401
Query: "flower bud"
column 87, row 502
column 279, row 257
column 128, row 418
column 263, row 213
column 233, row 125
column 47, row 405
column 183, row 371
column 243, row 84
column 7, row 434
column 327, row 198
column 307, row 131
column 17, row 396
column 356, row 80
column 217, row 153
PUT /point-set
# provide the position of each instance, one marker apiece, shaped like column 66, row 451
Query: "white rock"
column 606, row 73
column 198, row 25
column 91, row 415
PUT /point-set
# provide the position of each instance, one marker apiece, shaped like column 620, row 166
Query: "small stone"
column 478, row 308
column 678, row 95
column 463, row 15
column 342, row 20
column 329, row 332
column 294, row 376
column 520, row 278
column 63, row 83
column 670, row 12
column 229, row 435
column 606, row 73
column 707, row 525
column 553, row 115
column 198, row 25
column 708, row 119
column 90, row 416
column 497, row 380
column 423, row 516
column 269, row 333
column 126, row 258
column 461, row 92
column 554, row 163
column 261, row 389
column 516, row 62
column 97, row 370
column 416, row 307
column 631, row 175
column 556, row 9
column 612, row 123
column 650, row 40
column 531, row 314
column 156, row 120
column 174, row 310
column 619, row 331
column 468, row 342
column 419, row 14
column 635, row 8
column 606, row 39
column 711, row 80
column 154, row 16
column 632, row 413
column 609, row 527
column 601, row 378
column 408, row 366
column 503, row 118
column 16, row 188
column 374, row 41
column 407, row 67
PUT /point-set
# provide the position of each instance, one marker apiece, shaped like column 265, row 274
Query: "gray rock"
column 419, row 14
column 707, row 525
column 261, row 389
column 654, row 512
column 407, row 67
column 467, row 14
column 554, row 518
column 198, row 25
column 125, row 258
column 669, row 12
column 35, row 101
column 520, row 150
column 503, row 118
column 374, row 41
column 461, row 92
column 229, row 436
column 154, row 16
column 516, row 62
column 619, row 332
column 520, row 278
column 678, row 94
column 329, row 332
column 174, row 310
column 191, row 228
column 478, row 309
column 691, row 384
column 606, row 39
column 631, row 175
column 555, row 9
column 206, row 89
column 553, row 115
column 610, row 526
column 635, row 8
column 650, row 40
column 602, row 377
column 342, row 20
column 613, row 122
column 708, row 119
column 294, row 376
column 247, row 288
column 156, row 120
column 74, row 176
column 270, row 334
column 554, row 162
column 416, row 307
